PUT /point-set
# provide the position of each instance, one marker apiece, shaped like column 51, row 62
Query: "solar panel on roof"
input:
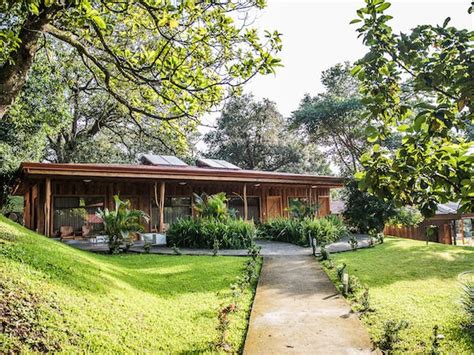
column 172, row 160
column 167, row 160
column 216, row 164
column 227, row 165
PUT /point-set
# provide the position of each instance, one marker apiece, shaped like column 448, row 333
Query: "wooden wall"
column 142, row 193
column 419, row 232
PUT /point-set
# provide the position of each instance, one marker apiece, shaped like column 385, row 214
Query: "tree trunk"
column 13, row 74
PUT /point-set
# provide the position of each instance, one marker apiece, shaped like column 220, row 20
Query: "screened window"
column 253, row 205
column 175, row 207
column 77, row 211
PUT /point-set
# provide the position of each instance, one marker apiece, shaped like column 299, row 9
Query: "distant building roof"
column 337, row 206
column 447, row 208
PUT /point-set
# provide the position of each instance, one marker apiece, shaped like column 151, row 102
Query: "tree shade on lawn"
column 74, row 301
column 409, row 280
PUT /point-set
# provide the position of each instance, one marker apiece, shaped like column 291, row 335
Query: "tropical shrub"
column 406, row 216
column 206, row 233
column 283, row 230
column 364, row 211
column 299, row 209
column 299, row 231
column 121, row 223
column 213, row 206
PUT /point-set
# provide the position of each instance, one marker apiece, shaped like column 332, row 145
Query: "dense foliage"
column 254, row 135
column 206, row 233
column 333, row 118
column 364, row 211
column 162, row 59
column 299, row 231
column 121, row 223
column 435, row 161
column 406, row 216
column 213, row 206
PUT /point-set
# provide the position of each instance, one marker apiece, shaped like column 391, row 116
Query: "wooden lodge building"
column 57, row 196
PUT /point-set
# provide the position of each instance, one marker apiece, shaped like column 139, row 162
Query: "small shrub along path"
column 298, row 310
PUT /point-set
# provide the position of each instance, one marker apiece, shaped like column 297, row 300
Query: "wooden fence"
column 419, row 233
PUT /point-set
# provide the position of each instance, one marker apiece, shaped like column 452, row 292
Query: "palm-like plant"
column 214, row 206
column 121, row 223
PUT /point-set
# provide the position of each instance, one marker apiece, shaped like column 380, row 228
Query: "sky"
column 317, row 35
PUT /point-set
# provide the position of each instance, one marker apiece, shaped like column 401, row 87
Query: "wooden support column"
column 162, row 207
column 47, row 207
column 246, row 208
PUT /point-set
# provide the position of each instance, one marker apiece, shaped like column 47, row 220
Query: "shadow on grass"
column 406, row 260
column 88, row 272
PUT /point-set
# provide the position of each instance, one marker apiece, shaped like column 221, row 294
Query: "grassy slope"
column 409, row 280
column 62, row 298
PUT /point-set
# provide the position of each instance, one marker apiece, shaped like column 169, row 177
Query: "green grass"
column 409, row 280
column 54, row 297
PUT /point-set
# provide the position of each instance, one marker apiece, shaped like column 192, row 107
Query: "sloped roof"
column 191, row 173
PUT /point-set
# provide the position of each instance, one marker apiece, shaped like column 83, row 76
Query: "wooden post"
column 461, row 230
column 246, row 208
column 162, row 207
column 47, row 208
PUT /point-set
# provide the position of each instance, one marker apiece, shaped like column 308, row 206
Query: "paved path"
column 298, row 310
column 268, row 248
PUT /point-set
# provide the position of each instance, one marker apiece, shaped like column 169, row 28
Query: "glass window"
column 175, row 207
column 77, row 211
column 253, row 205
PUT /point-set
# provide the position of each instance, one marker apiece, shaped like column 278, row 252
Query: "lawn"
column 54, row 297
column 409, row 280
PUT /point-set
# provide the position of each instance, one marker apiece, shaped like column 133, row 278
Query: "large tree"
column 435, row 160
column 333, row 118
column 254, row 135
column 72, row 119
column 164, row 59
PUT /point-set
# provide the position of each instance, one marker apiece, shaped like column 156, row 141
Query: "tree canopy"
column 333, row 118
column 435, row 160
column 161, row 59
column 254, row 135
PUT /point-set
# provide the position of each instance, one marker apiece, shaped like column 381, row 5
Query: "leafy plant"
column 364, row 211
column 325, row 255
column 467, row 297
column 147, row 247
column 353, row 242
column 391, row 335
column 300, row 210
column 433, row 164
column 121, row 223
column 176, row 250
column 215, row 247
column 299, row 231
column 214, row 206
column 364, row 301
column 353, row 285
column 406, row 216
column 205, row 232
column 436, row 339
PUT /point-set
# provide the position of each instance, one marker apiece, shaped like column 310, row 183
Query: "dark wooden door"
column 274, row 207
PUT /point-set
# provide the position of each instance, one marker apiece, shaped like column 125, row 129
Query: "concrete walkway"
column 268, row 248
column 298, row 310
